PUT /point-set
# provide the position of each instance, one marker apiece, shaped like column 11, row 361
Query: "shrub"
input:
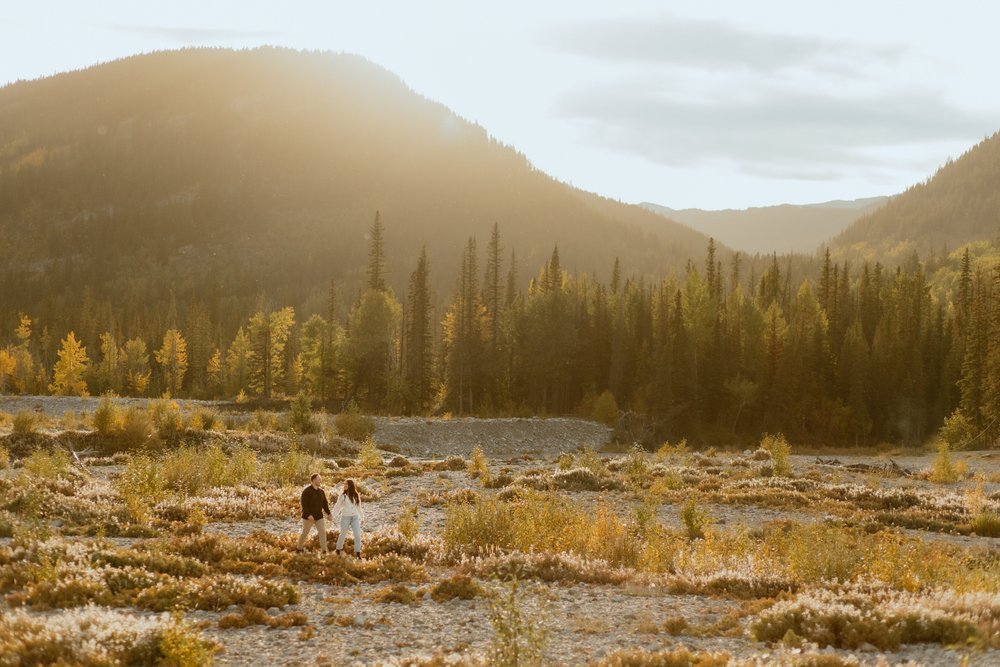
column 581, row 479
column 206, row 419
column 251, row 615
column 671, row 657
column 986, row 524
column 182, row 646
column 90, row 636
column 605, row 408
column 542, row 522
column 694, row 519
column 396, row 593
column 942, row 470
column 52, row 464
column 780, row 452
column 479, row 466
column 141, row 485
column 887, row 620
column 4, row 458
column 519, row 636
column 184, row 470
column 590, row 460
column 137, row 427
column 460, row 586
column 636, row 464
column 167, row 418
column 453, row 462
column 107, row 416
column 301, row 416
column 409, row 521
column 353, row 425
column 25, row 422
column 369, row 456
column 668, row 451
column 262, row 422
column 957, row 430
column 290, row 467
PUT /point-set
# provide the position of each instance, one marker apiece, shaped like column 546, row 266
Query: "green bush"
column 262, row 422
column 289, row 467
column 301, row 416
column 479, row 466
column 397, row 593
column 780, row 451
column 957, row 430
column 353, row 425
column 167, row 418
column 141, row 485
column 48, row 464
column 107, row 415
column 459, row 586
column 369, row 456
column 92, row 637
column 986, row 524
column 694, row 519
column 605, row 409
column 206, row 419
column 943, row 471
column 851, row 620
column 25, row 422
column 137, row 428
column 519, row 636
column 409, row 520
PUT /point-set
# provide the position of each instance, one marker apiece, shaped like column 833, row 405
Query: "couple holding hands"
column 315, row 509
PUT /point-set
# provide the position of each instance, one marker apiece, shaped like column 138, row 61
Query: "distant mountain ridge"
column 782, row 228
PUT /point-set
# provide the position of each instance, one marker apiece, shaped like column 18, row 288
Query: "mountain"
column 133, row 189
column 960, row 204
column 783, row 228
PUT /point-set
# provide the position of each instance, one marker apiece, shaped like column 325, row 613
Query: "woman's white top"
column 346, row 507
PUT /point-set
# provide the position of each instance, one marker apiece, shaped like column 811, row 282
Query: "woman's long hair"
column 351, row 491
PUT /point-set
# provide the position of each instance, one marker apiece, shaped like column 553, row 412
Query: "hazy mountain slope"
column 958, row 205
column 221, row 176
column 784, row 228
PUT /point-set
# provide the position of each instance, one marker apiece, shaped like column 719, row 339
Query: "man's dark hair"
column 314, row 476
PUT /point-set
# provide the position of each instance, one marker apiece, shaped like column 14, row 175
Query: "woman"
column 348, row 507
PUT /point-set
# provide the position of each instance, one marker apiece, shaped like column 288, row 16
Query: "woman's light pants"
column 354, row 523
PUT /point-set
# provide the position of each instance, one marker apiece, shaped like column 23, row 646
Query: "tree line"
column 854, row 354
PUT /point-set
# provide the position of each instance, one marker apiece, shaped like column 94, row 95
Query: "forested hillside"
column 180, row 188
column 960, row 204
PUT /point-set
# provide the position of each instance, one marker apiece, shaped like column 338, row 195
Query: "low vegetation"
column 485, row 539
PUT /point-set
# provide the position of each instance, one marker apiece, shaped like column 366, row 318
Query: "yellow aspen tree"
column 172, row 357
column 68, row 373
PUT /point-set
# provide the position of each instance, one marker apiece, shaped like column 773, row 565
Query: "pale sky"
column 687, row 104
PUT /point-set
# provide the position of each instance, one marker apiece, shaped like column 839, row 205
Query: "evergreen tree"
column 418, row 362
column 376, row 256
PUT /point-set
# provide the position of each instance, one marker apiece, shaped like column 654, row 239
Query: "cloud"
column 682, row 92
column 774, row 133
column 182, row 35
column 710, row 44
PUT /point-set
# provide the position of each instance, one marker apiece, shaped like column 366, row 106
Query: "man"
column 314, row 510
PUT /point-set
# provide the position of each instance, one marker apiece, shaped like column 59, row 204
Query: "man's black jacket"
column 314, row 503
